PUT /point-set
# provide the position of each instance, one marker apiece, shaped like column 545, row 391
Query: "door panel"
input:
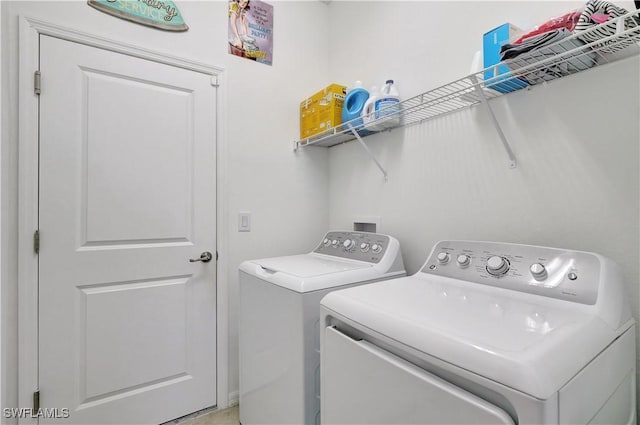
column 155, row 335
column 152, row 209
column 127, row 197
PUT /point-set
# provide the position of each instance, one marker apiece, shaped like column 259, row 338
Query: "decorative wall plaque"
column 162, row 14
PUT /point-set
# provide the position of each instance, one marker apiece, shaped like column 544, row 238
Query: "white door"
column 127, row 196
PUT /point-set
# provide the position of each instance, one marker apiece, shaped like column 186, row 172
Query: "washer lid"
column 308, row 265
column 527, row 342
column 314, row 272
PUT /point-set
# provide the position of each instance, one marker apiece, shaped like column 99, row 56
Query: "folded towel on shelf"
column 591, row 31
column 568, row 20
column 553, row 44
column 510, row 51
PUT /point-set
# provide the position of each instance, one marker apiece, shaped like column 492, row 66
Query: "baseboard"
column 234, row 398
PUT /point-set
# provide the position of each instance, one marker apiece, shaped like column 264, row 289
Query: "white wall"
column 576, row 140
column 286, row 192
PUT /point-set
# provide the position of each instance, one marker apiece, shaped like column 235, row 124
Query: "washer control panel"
column 556, row 273
column 369, row 247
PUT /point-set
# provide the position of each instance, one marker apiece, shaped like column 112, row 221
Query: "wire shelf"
column 567, row 56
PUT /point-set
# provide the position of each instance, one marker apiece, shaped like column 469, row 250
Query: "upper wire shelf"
column 566, row 56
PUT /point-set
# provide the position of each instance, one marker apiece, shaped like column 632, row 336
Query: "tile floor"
column 218, row 417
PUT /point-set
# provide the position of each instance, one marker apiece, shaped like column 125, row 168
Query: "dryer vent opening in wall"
column 364, row 227
column 366, row 223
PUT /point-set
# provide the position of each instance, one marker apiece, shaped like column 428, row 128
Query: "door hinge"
column 36, row 401
column 214, row 81
column 36, row 241
column 37, row 82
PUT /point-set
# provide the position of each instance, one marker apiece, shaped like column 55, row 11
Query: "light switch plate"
column 244, row 221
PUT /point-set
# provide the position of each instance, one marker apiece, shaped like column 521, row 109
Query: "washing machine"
column 279, row 329
column 484, row 333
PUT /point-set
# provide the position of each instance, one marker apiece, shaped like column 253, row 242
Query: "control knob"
column 463, row 260
column 376, row 248
column 443, row 258
column 334, row 243
column 348, row 244
column 538, row 271
column 364, row 246
column 326, row 242
column 497, row 266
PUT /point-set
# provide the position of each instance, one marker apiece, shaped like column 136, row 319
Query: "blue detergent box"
column 492, row 41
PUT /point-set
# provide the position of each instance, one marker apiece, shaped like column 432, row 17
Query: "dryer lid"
column 531, row 343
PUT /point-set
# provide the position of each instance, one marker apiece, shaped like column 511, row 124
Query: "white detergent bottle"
column 387, row 106
column 369, row 111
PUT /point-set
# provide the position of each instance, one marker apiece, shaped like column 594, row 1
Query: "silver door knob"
column 205, row 257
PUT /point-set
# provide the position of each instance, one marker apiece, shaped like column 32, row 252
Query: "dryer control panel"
column 556, row 273
column 369, row 247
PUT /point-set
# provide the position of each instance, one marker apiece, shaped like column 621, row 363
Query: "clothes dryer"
column 279, row 341
column 484, row 333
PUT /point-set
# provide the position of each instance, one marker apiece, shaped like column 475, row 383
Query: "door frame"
column 30, row 30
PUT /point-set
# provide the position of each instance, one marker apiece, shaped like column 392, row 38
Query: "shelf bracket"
column 512, row 158
column 366, row 148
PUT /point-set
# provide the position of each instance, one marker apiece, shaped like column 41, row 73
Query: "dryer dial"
column 443, row 258
column 463, row 260
column 538, row 271
column 497, row 266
